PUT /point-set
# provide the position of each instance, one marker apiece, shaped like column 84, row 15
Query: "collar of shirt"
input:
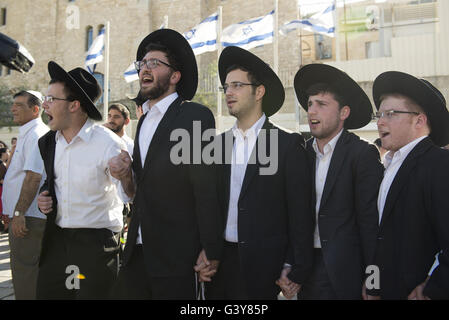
column 27, row 126
column 251, row 132
column 162, row 105
column 401, row 154
column 328, row 147
column 84, row 134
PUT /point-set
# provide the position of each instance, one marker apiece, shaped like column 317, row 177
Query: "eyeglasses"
column 50, row 99
column 390, row 113
column 151, row 64
column 236, row 85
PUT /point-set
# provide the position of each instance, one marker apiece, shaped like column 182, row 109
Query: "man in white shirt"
column 80, row 197
column 267, row 217
column 413, row 201
column 347, row 173
column 175, row 220
column 20, row 187
column 118, row 119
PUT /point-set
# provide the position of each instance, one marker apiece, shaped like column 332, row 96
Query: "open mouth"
column 49, row 116
column 314, row 121
column 147, row 79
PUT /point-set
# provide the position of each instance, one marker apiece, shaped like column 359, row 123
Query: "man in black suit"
column 264, row 187
column 413, row 201
column 175, row 222
column 347, row 173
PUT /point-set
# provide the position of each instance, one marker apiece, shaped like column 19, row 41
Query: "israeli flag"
column 322, row 22
column 95, row 53
column 131, row 74
column 250, row 33
column 203, row 37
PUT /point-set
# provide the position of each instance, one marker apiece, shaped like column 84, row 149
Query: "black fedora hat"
column 82, row 83
column 423, row 93
column 139, row 99
column 274, row 90
column 176, row 42
column 346, row 87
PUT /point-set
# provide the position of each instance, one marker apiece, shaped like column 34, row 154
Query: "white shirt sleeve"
column 114, row 151
column 33, row 159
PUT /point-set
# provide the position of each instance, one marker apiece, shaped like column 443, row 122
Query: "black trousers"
column 318, row 285
column 135, row 283
column 79, row 264
column 229, row 282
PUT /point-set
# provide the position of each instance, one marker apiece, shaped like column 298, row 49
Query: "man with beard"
column 118, row 118
column 347, row 175
column 175, row 222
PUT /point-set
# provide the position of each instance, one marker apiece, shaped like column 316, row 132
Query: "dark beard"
column 160, row 88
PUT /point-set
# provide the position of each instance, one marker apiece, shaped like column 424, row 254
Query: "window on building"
column 100, row 79
column 3, row 17
column 101, row 26
column 89, row 37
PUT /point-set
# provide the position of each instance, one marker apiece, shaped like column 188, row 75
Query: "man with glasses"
column 20, row 187
column 175, row 222
column 80, row 197
column 347, row 174
column 266, row 214
column 413, row 241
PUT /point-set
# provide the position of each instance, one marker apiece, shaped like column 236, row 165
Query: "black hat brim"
column 173, row 40
column 58, row 73
column 421, row 92
column 354, row 96
column 274, row 90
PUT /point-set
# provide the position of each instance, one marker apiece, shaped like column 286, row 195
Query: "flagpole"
column 166, row 21
column 275, row 38
column 106, row 73
column 297, row 106
column 337, row 40
column 219, row 48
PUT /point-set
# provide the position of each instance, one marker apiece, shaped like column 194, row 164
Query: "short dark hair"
column 252, row 75
column 32, row 99
column 322, row 87
column 70, row 94
column 4, row 144
column 2, row 151
column 171, row 57
column 120, row 108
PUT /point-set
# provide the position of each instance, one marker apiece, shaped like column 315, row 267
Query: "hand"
column 5, row 220
column 205, row 268
column 288, row 287
column 120, row 166
column 45, row 202
column 417, row 293
column 19, row 229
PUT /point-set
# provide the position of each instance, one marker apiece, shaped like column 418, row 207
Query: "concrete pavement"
column 6, row 288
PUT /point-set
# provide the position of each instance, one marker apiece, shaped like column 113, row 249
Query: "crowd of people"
column 270, row 213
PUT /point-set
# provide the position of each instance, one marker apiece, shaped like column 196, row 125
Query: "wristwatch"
column 17, row 214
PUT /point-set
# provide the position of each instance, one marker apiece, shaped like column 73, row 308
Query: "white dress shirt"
column 393, row 161
column 129, row 144
column 148, row 128
column 88, row 196
column 26, row 158
column 323, row 161
column 243, row 146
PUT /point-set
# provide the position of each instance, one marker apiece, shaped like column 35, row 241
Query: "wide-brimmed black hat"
column 346, row 87
column 274, row 90
column 176, row 42
column 82, row 83
column 139, row 99
column 423, row 93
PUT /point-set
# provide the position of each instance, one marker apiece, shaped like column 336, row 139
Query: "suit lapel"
column 337, row 161
column 253, row 163
column 137, row 162
column 227, row 146
column 312, row 158
column 401, row 178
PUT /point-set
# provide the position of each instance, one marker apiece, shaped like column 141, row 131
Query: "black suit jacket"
column 348, row 217
column 415, row 226
column 47, row 147
column 274, row 212
column 175, row 204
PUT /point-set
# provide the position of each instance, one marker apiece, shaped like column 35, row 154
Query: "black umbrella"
column 14, row 55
